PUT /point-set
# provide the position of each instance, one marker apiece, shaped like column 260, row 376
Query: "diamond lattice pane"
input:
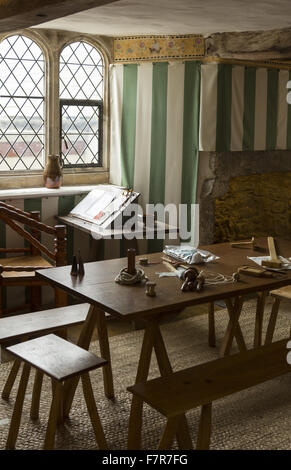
column 21, row 104
column 81, row 135
column 81, row 72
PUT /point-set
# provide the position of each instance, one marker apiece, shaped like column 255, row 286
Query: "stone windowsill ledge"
column 27, row 193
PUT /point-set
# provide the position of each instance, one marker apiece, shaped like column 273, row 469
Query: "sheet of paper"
column 258, row 260
column 100, row 205
column 103, row 204
column 88, row 201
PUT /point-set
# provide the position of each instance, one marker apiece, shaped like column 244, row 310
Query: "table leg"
column 135, row 418
column 211, row 325
column 105, row 353
column 183, row 433
column 233, row 328
column 84, row 342
column 152, row 339
column 259, row 319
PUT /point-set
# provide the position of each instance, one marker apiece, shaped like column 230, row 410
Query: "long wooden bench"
column 284, row 293
column 177, row 393
column 15, row 328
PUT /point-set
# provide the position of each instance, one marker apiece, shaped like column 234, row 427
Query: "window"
column 22, row 72
column 81, row 105
column 53, row 92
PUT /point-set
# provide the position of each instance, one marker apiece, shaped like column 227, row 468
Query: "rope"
column 212, row 279
column 125, row 278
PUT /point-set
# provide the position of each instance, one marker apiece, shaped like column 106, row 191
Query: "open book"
column 104, row 204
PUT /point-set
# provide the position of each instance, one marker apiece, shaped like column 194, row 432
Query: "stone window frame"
column 52, row 42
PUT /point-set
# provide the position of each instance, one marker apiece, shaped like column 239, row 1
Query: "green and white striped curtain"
column 244, row 108
column 155, row 129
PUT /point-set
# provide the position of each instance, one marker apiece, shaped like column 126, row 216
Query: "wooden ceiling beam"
column 20, row 14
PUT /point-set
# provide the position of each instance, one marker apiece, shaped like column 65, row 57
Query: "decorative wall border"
column 139, row 48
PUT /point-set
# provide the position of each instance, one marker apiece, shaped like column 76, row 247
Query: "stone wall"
column 243, row 194
column 254, row 205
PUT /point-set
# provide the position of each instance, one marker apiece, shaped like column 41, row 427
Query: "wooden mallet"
column 274, row 261
column 245, row 244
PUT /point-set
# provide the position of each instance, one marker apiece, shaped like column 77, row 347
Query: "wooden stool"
column 61, row 361
column 284, row 293
column 19, row 328
column 175, row 394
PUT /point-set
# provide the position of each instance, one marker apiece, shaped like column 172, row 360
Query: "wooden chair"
column 60, row 360
column 175, row 394
column 284, row 293
column 20, row 270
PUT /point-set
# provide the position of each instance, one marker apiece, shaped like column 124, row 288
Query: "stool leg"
column 204, row 433
column 34, row 410
column 11, row 379
column 272, row 321
column 84, row 342
column 17, row 410
column 93, row 413
column 168, row 434
column 53, row 417
column 211, row 325
column 61, row 410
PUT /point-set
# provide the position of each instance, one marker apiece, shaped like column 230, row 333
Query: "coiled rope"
column 125, row 278
column 212, row 279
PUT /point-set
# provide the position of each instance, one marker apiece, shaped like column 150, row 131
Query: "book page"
column 102, row 205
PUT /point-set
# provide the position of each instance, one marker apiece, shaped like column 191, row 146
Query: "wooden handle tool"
column 244, row 244
column 274, row 261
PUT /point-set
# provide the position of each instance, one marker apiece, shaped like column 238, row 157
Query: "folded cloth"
column 177, row 273
column 189, row 254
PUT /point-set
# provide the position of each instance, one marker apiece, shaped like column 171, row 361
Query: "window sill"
column 23, row 182
column 28, row 193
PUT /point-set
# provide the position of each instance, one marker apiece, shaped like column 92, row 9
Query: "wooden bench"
column 284, row 293
column 15, row 328
column 29, row 325
column 60, row 360
column 177, row 393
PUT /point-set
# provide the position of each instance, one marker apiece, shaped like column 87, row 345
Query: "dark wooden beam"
column 20, row 14
column 250, row 45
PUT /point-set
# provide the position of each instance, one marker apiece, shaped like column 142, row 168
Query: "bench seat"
column 16, row 327
column 175, row 394
column 184, row 390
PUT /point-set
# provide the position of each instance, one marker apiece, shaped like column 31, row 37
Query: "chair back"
column 14, row 217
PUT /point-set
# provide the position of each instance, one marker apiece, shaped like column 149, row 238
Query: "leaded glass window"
column 22, row 83
column 81, row 103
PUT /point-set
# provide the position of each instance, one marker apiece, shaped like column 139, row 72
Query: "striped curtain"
column 244, row 108
column 155, row 130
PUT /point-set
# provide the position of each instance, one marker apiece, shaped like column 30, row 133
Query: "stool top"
column 56, row 357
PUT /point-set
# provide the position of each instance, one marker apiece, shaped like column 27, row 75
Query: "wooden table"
column 98, row 288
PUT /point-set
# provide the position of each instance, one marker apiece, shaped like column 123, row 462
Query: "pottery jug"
column 52, row 174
